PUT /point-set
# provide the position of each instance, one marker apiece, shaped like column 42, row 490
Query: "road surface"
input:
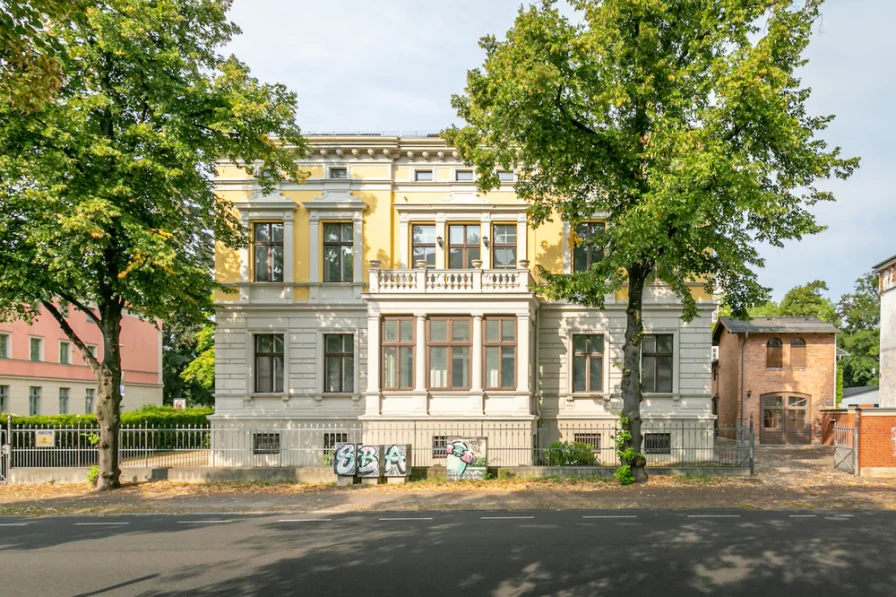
column 458, row 553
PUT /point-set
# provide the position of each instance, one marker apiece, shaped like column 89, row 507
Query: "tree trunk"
column 631, row 369
column 108, row 408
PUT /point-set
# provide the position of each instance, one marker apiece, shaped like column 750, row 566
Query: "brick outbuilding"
column 780, row 370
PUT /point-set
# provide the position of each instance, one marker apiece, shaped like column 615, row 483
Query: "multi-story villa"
column 43, row 373
column 387, row 290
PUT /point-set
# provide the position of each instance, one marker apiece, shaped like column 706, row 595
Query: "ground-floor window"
column 265, row 443
column 398, row 353
column 339, row 363
column 588, row 363
column 63, row 401
column 4, row 399
column 268, row 363
column 656, row 363
column 439, row 446
column 657, row 443
column 89, row 396
column 500, row 353
column 332, row 439
column 591, row 439
column 33, row 401
column 449, row 343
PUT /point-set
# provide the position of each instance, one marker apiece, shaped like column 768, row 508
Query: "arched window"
column 797, row 353
column 774, row 354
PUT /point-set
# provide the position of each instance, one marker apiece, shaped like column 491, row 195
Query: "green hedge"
column 570, row 454
column 150, row 416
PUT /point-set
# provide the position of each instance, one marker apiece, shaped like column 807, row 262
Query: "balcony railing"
column 407, row 281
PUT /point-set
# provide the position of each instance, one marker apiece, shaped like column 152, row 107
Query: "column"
column 357, row 247
column 420, row 354
column 522, row 353
column 314, row 247
column 373, row 406
column 477, row 357
column 441, row 231
column 485, row 229
column 244, row 255
column 522, row 238
column 289, row 255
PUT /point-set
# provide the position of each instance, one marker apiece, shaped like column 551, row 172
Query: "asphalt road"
column 500, row 553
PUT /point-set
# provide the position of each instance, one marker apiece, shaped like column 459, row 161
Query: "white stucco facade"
column 887, row 272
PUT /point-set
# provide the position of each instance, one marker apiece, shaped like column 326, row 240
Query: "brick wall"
column 815, row 380
column 877, row 440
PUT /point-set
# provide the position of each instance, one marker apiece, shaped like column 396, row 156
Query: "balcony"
column 476, row 280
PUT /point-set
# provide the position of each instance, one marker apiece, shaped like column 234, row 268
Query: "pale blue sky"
column 393, row 65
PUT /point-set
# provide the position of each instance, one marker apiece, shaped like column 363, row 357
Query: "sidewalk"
column 786, row 478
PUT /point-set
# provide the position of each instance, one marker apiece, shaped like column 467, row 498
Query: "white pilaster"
column 404, row 243
column 477, row 356
column 522, row 237
column 522, row 353
column 485, row 229
column 288, row 249
column 420, row 354
column 373, row 406
column 314, row 247
column 441, row 231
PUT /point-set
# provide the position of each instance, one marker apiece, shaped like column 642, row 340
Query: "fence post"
column 752, row 454
column 856, row 437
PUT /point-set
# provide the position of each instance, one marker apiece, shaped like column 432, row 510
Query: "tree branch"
column 574, row 121
column 95, row 365
column 81, row 307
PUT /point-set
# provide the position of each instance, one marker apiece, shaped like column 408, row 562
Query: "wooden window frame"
column 592, row 254
column 657, row 355
column 769, row 364
column 338, row 244
column 798, row 346
column 500, row 344
column 588, row 354
column 341, row 356
column 465, row 247
column 431, row 245
column 398, row 344
column 268, row 246
column 450, row 344
column 514, row 245
column 272, row 355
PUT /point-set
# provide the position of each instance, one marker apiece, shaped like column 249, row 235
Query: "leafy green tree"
column 682, row 124
column 106, row 191
column 179, row 350
column 807, row 301
column 201, row 371
column 860, row 333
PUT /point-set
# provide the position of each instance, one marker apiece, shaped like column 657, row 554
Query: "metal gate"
column 4, row 456
column 845, row 449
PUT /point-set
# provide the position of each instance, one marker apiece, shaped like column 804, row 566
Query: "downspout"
column 743, row 376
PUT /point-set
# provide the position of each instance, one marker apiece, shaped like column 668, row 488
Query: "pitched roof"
column 884, row 264
column 773, row 325
column 849, row 392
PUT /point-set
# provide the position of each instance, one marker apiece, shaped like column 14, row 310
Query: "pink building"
column 42, row 372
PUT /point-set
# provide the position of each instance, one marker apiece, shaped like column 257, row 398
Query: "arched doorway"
column 785, row 418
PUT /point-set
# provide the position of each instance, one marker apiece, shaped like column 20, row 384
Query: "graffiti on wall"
column 368, row 461
column 345, row 463
column 371, row 461
column 395, row 460
column 466, row 458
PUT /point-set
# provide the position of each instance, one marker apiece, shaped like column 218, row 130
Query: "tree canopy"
column 106, row 190
column 682, row 125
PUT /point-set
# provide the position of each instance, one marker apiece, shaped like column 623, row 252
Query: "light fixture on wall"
column 441, row 242
column 749, row 394
column 485, row 241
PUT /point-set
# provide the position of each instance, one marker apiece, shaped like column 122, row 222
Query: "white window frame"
column 319, row 373
column 676, row 360
column 94, row 350
column 329, row 208
column 272, row 207
column 59, row 351
column 41, row 350
column 6, row 339
column 250, row 363
column 582, row 330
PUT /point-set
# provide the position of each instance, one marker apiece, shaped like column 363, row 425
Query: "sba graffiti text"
column 395, row 460
column 371, row 461
column 368, row 461
column 345, row 463
column 466, row 458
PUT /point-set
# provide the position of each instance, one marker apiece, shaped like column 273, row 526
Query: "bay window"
column 398, row 353
column 449, row 346
column 499, row 344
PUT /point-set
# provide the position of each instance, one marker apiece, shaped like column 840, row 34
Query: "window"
column 423, row 175
column 398, row 353
column 505, row 176
column 587, row 363
column 591, row 439
column 338, row 252
column 797, row 412
column 90, row 318
column 4, row 346
column 423, row 244
column 339, row 363
column 92, row 349
column 797, row 353
column 439, row 446
column 463, row 175
column 268, row 250
column 449, row 348
column 265, row 443
column 585, row 253
column 656, row 363
column 63, row 401
column 657, row 443
column 4, row 399
column 65, row 353
column 773, row 413
column 504, row 246
column 463, row 246
column 500, row 353
column 269, row 363
column 339, row 172
column 332, row 439
column 37, row 349
column 89, row 396
column 33, row 401
column 774, row 358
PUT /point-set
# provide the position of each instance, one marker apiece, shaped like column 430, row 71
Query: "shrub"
column 570, row 454
column 504, row 474
column 150, row 416
column 92, row 474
